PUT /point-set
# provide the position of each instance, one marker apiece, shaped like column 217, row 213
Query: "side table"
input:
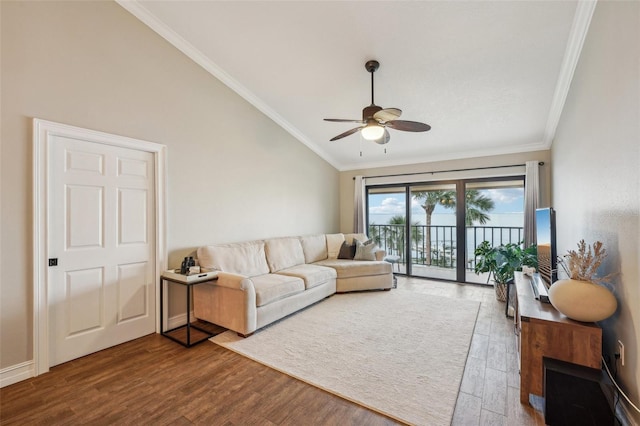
column 188, row 281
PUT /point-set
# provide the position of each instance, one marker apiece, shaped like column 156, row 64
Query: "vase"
column 501, row 291
column 582, row 300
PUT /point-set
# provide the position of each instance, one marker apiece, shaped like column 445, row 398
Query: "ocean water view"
column 501, row 228
column 449, row 219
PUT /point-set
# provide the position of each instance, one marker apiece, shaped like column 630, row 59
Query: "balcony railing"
column 435, row 245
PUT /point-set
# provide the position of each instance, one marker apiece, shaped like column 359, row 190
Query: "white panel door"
column 101, row 230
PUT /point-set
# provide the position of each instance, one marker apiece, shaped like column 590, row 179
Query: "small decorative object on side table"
column 188, row 281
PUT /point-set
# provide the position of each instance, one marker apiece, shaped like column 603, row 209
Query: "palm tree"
column 396, row 230
column 397, row 233
column 476, row 205
column 428, row 201
column 374, row 233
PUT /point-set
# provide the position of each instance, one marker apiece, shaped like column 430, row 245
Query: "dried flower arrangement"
column 583, row 264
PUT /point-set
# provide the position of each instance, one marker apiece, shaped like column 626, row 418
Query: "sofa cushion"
column 357, row 268
column 272, row 287
column 314, row 248
column 283, row 253
column 313, row 275
column 246, row 258
column 334, row 242
column 350, row 237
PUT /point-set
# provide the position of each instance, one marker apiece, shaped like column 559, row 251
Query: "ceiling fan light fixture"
column 372, row 131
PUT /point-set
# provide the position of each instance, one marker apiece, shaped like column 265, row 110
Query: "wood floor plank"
column 473, row 377
column 468, row 409
column 494, row 393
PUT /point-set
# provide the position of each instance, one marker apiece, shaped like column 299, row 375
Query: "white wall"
column 233, row 173
column 596, row 168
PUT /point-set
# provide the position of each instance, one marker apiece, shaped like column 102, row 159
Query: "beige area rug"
column 399, row 353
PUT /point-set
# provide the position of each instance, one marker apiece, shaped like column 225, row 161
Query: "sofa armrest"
column 234, row 281
column 380, row 254
column 229, row 302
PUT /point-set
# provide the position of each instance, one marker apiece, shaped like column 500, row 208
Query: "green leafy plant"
column 502, row 261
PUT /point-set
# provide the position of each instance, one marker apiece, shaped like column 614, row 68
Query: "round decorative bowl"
column 582, row 300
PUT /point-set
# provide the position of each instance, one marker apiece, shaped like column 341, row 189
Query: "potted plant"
column 502, row 261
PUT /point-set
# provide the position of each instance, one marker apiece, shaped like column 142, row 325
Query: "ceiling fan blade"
column 343, row 120
column 384, row 139
column 347, row 133
column 408, row 126
column 387, row 114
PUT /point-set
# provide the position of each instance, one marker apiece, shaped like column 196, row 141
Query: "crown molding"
column 149, row 19
column 484, row 152
column 577, row 35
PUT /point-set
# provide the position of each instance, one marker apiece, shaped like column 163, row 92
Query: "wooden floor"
column 155, row 381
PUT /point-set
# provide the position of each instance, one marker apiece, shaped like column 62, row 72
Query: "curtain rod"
column 541, row 163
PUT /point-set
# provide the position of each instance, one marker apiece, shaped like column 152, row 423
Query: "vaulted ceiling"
column 490, row 77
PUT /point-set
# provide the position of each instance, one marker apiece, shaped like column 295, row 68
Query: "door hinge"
column 53, row 261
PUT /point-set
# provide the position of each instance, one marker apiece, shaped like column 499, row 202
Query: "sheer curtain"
column 531, row 200
column 359, row 205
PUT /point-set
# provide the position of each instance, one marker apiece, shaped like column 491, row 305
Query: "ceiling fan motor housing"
column 372, row 66
column 367, row 112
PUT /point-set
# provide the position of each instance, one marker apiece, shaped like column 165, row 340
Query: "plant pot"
column 501, row 291
column 582, row 300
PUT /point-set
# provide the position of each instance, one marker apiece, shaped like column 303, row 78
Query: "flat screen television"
column 546, row 243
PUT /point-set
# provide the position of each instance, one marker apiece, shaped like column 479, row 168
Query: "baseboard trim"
column 178, row 320
column 26, row 370
column 17, row 373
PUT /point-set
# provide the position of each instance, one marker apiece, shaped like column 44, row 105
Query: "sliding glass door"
column 494, row 213
column 387, row 219
column 431, row 229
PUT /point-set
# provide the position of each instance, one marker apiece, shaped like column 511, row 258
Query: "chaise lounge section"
column 263, row 281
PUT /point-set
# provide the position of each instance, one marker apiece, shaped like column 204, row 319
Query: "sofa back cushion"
column 349, row 238
column 334, row 242
column 238, row 258
column 283, row 253
column 314, row 248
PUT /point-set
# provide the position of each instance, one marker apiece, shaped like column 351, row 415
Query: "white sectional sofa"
column 265, row 280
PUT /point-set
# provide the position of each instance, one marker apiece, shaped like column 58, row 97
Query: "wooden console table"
column 542, row 331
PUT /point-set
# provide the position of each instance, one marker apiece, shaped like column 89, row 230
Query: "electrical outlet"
column 621, row 351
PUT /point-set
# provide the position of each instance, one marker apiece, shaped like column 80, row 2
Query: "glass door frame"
column 461, row 234
column 460, row 230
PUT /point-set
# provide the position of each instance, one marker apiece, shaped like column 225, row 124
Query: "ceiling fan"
column 375, row 119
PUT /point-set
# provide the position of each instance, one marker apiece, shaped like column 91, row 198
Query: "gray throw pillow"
column 365, row 251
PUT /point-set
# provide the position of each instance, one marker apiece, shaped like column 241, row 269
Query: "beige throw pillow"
column 366, row 250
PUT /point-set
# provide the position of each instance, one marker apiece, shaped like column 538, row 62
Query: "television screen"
column 546, row 242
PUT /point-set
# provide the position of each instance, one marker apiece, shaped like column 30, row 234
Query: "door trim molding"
column 43, row 131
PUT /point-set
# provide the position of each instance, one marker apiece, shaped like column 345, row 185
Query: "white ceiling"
column 490, row 77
